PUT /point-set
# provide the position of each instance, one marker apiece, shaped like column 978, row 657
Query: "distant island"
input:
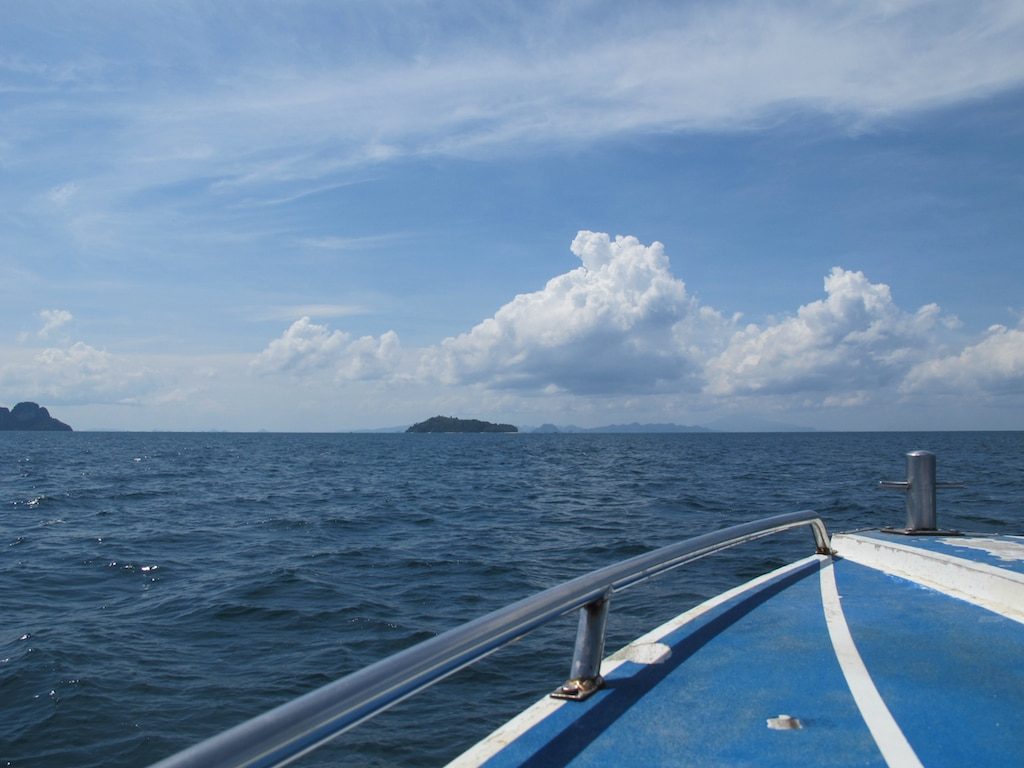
column 452, row 424
column 731, row 424
column 30, row 417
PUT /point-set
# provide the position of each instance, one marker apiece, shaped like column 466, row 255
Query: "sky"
column 324, row 216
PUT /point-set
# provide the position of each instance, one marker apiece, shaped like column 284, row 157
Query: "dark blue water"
column 157, row 588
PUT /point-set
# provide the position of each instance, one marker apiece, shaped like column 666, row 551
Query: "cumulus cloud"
column 617, row 323
column 78, row 361
column 994, row 365
column 855, row 339
column 623, row 325
column 304, row 346
column 78, row 373
column 370, row 358
column 307, row 346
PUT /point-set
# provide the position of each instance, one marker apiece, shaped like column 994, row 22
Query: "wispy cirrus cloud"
column 297, row 311
column 337, row 243
column 63, row 193
column 505, row 77
column 681, row 68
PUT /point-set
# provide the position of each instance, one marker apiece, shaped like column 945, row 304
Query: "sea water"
column 158, row 588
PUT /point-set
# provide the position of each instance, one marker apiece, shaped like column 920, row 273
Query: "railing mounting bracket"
column 579, row 689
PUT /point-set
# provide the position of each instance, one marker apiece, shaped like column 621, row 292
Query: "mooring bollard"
column 920, row 489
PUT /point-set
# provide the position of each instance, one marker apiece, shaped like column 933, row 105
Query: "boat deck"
column 836, row 661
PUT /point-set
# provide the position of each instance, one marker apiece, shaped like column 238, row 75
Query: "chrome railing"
column 283, row 734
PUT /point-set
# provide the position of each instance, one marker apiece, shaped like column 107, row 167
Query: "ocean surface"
column 158, row 588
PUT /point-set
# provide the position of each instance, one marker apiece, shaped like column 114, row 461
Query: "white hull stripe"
column 895, row 748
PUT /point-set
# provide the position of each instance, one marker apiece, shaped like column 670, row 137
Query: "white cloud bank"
column 618, row 335
column 67, row 372
column 856, row 339
column 993, row 366
column 75, row 374
column 622, row 325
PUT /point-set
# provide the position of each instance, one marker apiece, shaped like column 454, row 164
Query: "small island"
column 452, row 424
column 30, row 417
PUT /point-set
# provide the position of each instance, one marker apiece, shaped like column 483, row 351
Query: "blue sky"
column 342, row 215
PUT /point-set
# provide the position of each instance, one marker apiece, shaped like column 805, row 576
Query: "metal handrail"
column 291, row 730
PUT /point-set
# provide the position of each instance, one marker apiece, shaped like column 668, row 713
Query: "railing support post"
column 585, row 673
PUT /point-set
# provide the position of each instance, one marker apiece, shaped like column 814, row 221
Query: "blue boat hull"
column 899, row 650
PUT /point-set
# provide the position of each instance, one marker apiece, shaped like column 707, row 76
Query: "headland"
column 30, row 417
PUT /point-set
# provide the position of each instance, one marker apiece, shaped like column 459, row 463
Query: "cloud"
column 589, row 77
column 79, row 361
column 62, row 194
column 854, row 340
column 52, row 320
column 498, row 78
column 312, row 310
column 622, row 328
column 620, row 331
column 614, row 324
column 370, row 358
column 994, row 365
column 78, row 373
column 621, row 322
column 593, row 75
column 333, row 243
column 306, row 347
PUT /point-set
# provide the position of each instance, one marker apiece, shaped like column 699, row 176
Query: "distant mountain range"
column 633, row 428
column 730, row 424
